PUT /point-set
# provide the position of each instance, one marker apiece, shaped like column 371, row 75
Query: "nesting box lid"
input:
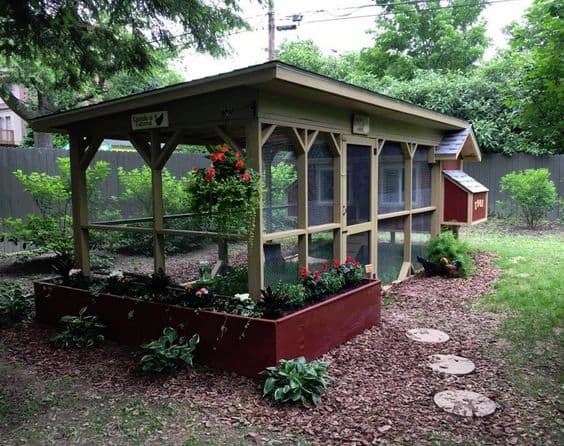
column 465, row 181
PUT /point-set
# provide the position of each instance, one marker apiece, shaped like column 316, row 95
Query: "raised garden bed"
column 236, row 343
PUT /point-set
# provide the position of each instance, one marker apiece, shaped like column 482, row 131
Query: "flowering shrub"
column 333, row 277
column 226, row 192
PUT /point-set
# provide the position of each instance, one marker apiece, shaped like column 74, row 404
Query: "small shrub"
column 169, row 352
column 79, row 331
column 295, row 294
column 15, row 304
column 296, row 380
column 272, row 302
column 453, row 249
column 533, row 193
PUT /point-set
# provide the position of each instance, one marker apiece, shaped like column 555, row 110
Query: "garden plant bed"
column 231, row 342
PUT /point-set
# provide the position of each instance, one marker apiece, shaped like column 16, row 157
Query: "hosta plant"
column 79, row 331
column 169, row 352
column 15, row 304
column 296, row 380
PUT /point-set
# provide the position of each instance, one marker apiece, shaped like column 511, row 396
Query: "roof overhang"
column 459, row 144
column 267, row 75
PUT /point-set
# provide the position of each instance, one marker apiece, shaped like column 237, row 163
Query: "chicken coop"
column 345, row 172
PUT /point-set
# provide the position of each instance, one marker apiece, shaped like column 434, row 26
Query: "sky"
column 332, row 36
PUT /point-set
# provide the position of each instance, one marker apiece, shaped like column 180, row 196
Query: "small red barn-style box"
column 465, row 200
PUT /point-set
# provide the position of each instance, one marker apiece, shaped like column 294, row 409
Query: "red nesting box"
column 465, row 200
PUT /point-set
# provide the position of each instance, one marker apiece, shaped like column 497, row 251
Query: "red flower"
column 303, row 272
column 356, row 263
column 316, row 275
column 210, row 174
column 336, row 263
column 237, row 154
column 239, row 165
column 349, row 259
column 246, row 177
column 218, row 157
column 225, row 149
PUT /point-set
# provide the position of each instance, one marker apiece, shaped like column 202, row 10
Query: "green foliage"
column 284, row 175
column 453, row 249
column 51, row 230
column 296, row 380
column 69, row 52
column 169, row 352
column 532, row 192
column 15, row 304
column 226, row 194
column 537, row 46
column 333, row 278
column 284, row 296
column 427, row 36
column 79, row 331
column 233, row 282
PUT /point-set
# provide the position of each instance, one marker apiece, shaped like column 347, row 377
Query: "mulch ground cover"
column 382, row 392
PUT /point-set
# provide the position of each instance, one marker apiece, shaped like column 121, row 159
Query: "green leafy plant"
column 333, row 277
column 15, row 304
column 225, row 194
column 532, row 192
column 296, row 380
column 79, row 331
column 169, row 352
column 447, row 246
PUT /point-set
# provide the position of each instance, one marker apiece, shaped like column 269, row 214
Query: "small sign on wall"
column 361, row 124
column 151, row 120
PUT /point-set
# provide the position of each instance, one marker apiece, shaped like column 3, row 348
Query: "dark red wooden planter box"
column 230, row 342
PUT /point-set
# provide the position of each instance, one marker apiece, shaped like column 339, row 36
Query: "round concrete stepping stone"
column 465, row 403
column 428, row 335
column 451, row 364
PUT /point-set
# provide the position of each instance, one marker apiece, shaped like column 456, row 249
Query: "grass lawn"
column 531, row 292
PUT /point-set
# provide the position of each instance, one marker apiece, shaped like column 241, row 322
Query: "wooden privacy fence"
column 15, row 202
column 494, row 166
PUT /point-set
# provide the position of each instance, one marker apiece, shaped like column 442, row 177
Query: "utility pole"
column 271, row 31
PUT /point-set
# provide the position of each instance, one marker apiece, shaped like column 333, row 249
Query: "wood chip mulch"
column 382, row 393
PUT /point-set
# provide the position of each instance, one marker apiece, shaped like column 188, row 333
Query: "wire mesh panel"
column 421, row 185
column 420, row 236
column 281, row 261
column 358, row 247
column 320, row 182
column 390, row 248
column 358, row 183
column 391, row 179
column 280, row 174
column 320, row 249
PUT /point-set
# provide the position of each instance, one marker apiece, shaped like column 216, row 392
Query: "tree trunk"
column 42, row 140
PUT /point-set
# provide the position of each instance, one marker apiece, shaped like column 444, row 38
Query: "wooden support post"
column 157, row 200
column 79, row 203
column 408, row 201
column 302, row 207
column 255, row 241
column 436, row 199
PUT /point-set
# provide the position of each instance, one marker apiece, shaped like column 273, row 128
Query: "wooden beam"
column 380, row 145
column 311, row 139
column 335, row 140
column 89, row 153
column 142, row 147
column 168, row 149
column 267, row 133
column 298, row 139
column 226, row 138
column 79, row 200
column 255, row 241
column 158, row 208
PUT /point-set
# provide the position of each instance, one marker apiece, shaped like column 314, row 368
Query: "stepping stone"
column 428, row 335
column 451, row 364
column 465, row 403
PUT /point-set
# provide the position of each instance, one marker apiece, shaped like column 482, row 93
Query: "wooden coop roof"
column 272, row 76
column 459, row 143
column 465, row 181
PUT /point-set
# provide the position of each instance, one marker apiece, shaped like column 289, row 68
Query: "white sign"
column 361, row 124
column 151, row 120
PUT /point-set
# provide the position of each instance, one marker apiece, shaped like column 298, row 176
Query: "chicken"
column 443, row 268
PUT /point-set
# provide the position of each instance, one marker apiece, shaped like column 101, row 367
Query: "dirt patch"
column 383, row 391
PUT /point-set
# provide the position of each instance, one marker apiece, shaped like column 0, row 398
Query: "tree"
column 67, row 52
column 430, row 35
column 538, row 45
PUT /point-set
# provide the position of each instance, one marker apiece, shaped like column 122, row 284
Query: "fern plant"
column 448, row 247
column 169, row 352
column 296, row 380
column 79, row 331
